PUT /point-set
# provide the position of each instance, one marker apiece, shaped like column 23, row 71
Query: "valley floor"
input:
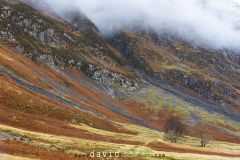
column 36, row 145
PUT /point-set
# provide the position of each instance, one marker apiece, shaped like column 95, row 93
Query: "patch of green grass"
column 115, row 85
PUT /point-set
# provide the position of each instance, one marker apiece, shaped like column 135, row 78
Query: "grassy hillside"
column 42, row 119
column 66, row 91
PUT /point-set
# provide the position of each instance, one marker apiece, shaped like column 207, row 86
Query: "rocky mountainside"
column 57, row 69
column 58, row 43
column 211, row 75
column 121, row 61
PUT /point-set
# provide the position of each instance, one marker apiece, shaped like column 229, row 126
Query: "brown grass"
column 159, row 146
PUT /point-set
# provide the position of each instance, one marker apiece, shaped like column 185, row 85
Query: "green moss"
column 115, row 85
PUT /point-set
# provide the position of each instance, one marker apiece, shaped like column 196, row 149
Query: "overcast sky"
column 208, row 22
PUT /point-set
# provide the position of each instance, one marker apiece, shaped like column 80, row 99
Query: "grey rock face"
column 110, row 78
column 46, row 59
column 189, row 81
column 198, row 86
column 7, row 136
column 131, row 53
column 226, row 90
column 80, row 22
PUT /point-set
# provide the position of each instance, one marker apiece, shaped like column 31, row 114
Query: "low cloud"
column 214, row 23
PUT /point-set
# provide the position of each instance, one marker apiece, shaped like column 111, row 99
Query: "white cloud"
column 209, row 22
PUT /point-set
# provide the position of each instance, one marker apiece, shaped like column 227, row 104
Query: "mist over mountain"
column 213, row 23
column 93, row 74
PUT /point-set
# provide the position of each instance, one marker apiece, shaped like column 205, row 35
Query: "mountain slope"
column 55, row 42
column 201, row 72
column 66, row 90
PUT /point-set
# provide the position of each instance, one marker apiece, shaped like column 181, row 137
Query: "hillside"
column 66, row 90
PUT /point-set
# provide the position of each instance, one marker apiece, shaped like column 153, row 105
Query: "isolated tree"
column 203, row 131
column 174, row 129
column 205, row 136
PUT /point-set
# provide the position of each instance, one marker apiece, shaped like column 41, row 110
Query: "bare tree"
column 205, row 137
column 174, row 129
